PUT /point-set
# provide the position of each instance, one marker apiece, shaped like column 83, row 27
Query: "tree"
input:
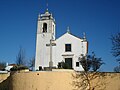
column 96, row 62
column 116, row 45
column 2, row 65
column 86, row 62
column 32, row 63
column 117, row 69
column 91, row 62
column 84, row 80
column 20, row 61
column 116, row 49
column 20, row 58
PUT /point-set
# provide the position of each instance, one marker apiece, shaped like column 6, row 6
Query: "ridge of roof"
column 69, row 34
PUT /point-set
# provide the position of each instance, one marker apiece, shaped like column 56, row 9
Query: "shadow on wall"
column 96, row 81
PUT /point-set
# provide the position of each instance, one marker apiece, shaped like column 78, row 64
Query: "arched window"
column 44, row 27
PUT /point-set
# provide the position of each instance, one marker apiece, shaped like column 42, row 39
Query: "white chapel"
column 51, row 50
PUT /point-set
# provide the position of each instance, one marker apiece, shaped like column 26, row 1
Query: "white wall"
column 42, row 51
column 77, row 50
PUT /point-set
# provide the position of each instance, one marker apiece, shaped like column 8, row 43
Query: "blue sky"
column 98, row 18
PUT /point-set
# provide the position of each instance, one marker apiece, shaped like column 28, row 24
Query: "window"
column 44, row 27
column 68, row 47
column 77, row 64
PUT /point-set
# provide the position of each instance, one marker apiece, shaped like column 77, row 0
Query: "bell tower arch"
column 44, row 27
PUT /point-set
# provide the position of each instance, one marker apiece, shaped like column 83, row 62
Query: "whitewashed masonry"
column 50, row 51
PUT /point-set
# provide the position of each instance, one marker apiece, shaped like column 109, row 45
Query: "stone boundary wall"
column 4, row 76
column 51, row 80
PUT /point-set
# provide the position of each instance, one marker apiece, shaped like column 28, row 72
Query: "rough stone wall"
column 55, row 80
column 3, row 77
column 42, row 81
column 5, row 81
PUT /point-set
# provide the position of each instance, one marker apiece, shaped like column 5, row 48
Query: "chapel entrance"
column 68, row 62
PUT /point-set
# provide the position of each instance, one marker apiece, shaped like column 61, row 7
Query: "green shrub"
column 17, row 68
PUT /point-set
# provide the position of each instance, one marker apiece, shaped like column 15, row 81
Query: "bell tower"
column 46, row 24
column 45, row 33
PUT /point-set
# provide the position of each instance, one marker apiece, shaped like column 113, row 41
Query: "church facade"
column 51, row 51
